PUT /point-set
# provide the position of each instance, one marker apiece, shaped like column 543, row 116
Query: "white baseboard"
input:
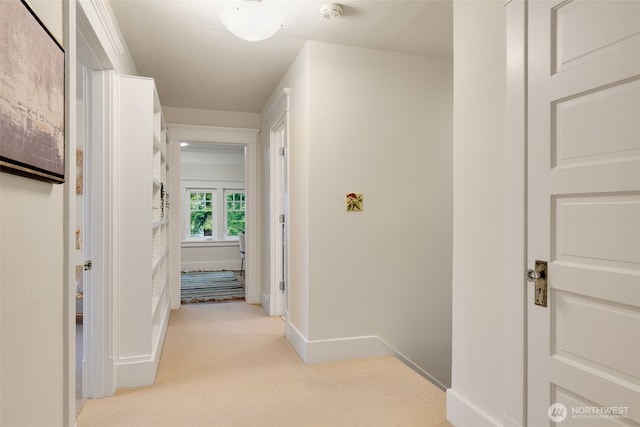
column 462, row 413
column 415, row 367
column 210, row 265
column 135, row 373
column 265, row 302
column 297, row 340
column 142, row 370
column 333, row 350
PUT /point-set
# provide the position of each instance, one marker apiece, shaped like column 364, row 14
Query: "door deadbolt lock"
column 539, row 276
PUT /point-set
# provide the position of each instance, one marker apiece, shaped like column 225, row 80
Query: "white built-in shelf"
column 158, row 262
column 159, row 223
column 142, row 299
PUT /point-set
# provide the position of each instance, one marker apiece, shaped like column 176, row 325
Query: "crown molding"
column 98, row 15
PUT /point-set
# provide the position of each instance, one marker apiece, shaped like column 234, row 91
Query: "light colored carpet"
column 229, row 364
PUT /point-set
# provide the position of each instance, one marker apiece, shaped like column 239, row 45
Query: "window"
column 201, row 214
column 214, row 214
column 234, row 212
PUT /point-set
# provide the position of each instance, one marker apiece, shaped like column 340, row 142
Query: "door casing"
column 277, row 120
column 515, row 384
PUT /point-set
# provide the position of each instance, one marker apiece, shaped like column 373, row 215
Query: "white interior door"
column 279, row 211
column 584, row 212
column 83, row 251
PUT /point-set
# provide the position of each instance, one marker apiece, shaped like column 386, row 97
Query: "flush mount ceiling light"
column 252, row 20
column 331, row 11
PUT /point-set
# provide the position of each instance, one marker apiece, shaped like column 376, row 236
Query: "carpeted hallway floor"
column 228, row 364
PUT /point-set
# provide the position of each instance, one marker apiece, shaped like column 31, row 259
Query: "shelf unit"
column 159, row 211
column 142, row 297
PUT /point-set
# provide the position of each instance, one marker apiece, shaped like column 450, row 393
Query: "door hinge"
column 88, row 265
column 282, row 285
column 281, row 218
column 281, row 150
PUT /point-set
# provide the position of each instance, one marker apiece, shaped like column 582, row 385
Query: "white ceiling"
column 197, row 63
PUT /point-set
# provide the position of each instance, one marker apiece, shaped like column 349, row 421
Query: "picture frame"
column 32, row 96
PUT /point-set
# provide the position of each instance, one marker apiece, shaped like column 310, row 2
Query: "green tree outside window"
column 201, row 214
column 235, row 207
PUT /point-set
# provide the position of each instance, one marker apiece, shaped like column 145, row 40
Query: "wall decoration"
column 32, row 88
column 354, row 202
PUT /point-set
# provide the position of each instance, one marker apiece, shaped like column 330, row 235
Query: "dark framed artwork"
column 32, row 104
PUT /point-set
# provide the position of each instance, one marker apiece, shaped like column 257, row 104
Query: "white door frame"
column 234, row 136
column 277, row 120
column 279, row 215
column 69, row 225
column 515, row 383
column 100, row 381
column 98, row 46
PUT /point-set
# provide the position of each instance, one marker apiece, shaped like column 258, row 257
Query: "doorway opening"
column 212, row 221
column 233, row 180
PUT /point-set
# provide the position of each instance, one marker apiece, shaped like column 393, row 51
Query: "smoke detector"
column 331, row 11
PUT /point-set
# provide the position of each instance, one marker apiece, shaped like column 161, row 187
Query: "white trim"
column 107, row 40
column 277, row 119
column 410, row 363
column 279, row 105
column 514, row 374
column 332, row 350
column 462, row 413
column 213, row 134
column 136, row 371
column 98, row 297
column 107, row 26
column 296, row 339
column 90, row 52
column 210, row 265
column 175, row 230
column 276, row 186
column 206, row 183
column 209, row 243
column 264, row 299
column 69, row 37
column 249, row 139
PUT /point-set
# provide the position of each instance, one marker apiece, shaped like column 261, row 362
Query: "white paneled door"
column 584, row 212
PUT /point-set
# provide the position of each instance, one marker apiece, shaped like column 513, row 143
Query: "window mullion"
column 220, row 212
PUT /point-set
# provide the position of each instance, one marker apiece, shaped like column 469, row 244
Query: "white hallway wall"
column 32, row 282
column 32, row 288
column 476, row 397
column 31, row 297
column 377, row 123
column 298, row 294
